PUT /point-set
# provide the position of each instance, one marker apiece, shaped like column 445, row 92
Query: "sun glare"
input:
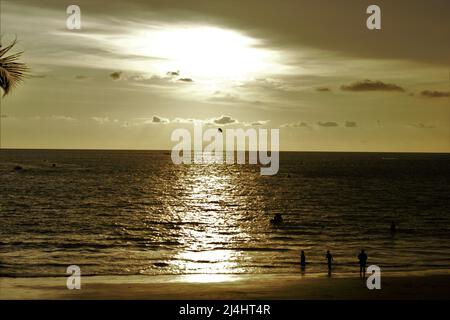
column 203, row 53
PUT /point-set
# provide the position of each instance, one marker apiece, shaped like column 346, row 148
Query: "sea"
column 137, row 213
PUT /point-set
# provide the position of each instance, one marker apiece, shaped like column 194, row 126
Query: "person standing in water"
column 393, row 227
column 329, row 257
column 362, row 257
column 302, row 259
column 277, row 219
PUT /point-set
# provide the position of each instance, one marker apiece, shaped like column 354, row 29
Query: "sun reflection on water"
column 208, row 226
column 208, row 278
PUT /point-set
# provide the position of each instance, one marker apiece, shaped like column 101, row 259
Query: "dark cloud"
column 173, row 73
column 158, row 80
column 323, row 89
column 299, row 124
column 157, row 119
column 224, row 120
column 434, row 94
column 327, row 124
column 421, row 125
column 116, row 75
column 80, row 77
column 350, row 124
column 370, row 85
column 338, row 26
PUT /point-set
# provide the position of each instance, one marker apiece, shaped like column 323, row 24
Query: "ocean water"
column 134, row 212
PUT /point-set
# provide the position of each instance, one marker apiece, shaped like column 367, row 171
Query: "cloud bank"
column 370, row 85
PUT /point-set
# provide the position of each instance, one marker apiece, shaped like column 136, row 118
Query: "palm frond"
column 12, row 72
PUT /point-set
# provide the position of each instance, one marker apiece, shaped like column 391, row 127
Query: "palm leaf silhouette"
column 12, row 72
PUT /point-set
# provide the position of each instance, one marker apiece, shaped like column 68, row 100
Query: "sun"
column 203, row 52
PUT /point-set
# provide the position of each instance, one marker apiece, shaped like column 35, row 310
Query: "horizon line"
column 169, row 150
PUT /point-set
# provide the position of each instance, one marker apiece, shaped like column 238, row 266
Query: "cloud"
column 259, row 123
column 184, row 120
column 173, row 73
column 434, row 94
column 328, row 124
column 225, row 97
column 156, row 80
column 350, row 124
column 218, row 121
column 54, row 118
column 186, row 80
column 277, row 85
column 421, row 125
column 101, row 120
column 80, row 77
column 292, row 26
column 299, row 124
column 62, row 118
column 116, row 75
column 157, row 119
column 153, row 80
column 369, row 85
column 225, row 120
column 232, row 98
column 323, row 89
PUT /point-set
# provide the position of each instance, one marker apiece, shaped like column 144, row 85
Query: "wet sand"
column 228, row 287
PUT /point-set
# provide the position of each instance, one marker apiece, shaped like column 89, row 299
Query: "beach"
column 230, row 287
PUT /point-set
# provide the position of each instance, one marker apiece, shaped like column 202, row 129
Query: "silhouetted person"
column 393, row 227
column 302, row 259
column 362, row 257
column 277, row 219
column 329, row 257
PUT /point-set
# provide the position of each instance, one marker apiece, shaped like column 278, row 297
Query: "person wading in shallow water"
column 302, row 259
column 393, row 228
column 329, row 257
column 362, row 257
column 277, row 219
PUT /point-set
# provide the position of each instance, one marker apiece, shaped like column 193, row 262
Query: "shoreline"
column 230, row 287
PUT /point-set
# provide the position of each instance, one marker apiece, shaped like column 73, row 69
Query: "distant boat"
column 389, row 158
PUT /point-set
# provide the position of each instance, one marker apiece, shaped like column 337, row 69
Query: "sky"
column 137, row 70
